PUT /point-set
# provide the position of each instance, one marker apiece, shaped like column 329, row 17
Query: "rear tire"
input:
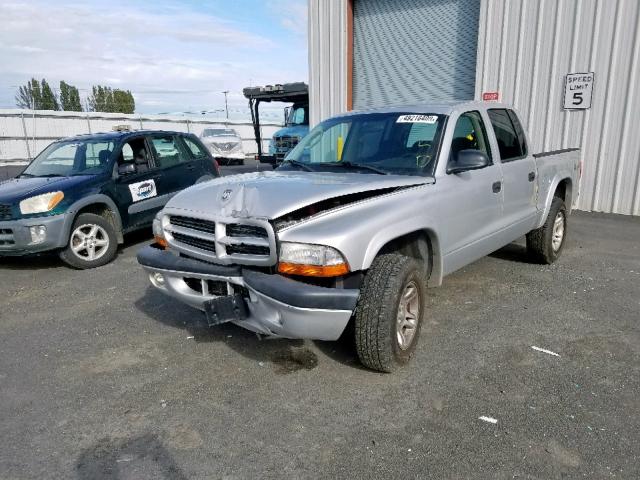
column 389, row 312
column 545, row 244
column 92, row 243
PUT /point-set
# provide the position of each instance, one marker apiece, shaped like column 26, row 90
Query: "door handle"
column 532, row 176
column 191, row 167
column 496, row 187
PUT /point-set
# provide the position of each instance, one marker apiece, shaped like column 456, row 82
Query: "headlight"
column 158, row 234
column 41, row 203
column 311, row 260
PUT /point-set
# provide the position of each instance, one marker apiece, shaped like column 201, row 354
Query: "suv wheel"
column 390, row 311
column 92, row 242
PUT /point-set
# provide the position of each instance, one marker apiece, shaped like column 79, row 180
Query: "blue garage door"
column 408, row 51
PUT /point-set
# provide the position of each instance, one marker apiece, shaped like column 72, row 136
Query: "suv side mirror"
column 468, row 160
column 127, row 169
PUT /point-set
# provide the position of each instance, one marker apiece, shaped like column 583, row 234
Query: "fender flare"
column 94, row 199
column 392, row 232
column 549, row 198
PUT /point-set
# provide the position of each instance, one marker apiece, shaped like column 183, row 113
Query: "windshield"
column 62, row 159
column 398, row 143
column 219, row 132
column 297, row 116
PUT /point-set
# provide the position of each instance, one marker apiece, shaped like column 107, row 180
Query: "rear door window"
column 510, row 145
column 522, row 138
column 167, row 151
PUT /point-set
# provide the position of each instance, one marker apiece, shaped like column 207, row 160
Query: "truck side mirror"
column 466, row 160
column 127, row 169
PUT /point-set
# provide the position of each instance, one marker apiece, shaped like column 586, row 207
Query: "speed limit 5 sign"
column 578, row 88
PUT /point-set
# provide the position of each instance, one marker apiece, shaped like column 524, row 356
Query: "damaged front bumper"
column 277, row 306
column 16, row 238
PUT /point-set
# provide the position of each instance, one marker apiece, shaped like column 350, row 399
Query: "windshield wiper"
column 296, row 163
column 49, row 175
column 25, row 175
column 363, row 167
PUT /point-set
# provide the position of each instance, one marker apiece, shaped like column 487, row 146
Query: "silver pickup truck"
column 365, row 213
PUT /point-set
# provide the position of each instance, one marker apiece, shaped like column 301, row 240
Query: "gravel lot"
column 103, row 377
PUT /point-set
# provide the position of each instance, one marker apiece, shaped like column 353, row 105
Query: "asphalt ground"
column 102, row 377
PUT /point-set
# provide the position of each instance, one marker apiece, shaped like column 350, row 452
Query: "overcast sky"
column 173, row 55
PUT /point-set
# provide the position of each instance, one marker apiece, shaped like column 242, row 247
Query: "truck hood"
column 272, row 194
column 17, row 189
column 293, row 131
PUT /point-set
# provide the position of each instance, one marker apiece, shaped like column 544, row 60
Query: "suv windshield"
column 397, row 143
column 78, row 157
column 219, row 132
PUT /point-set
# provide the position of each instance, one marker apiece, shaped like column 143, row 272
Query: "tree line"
column 37, row 95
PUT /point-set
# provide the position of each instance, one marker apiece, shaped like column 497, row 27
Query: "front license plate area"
column 225, row 309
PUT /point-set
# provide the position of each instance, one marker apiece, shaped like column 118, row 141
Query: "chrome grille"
column 222, row 240
column 5, row 212
column 286, row 142
column 228, row 146
column 208, row 245
column 195, row 224
column 239, row 230
column 247, row 249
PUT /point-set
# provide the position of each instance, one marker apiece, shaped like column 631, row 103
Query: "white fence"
column 25, row 133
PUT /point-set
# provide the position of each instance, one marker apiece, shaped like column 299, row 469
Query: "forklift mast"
column 297, row 93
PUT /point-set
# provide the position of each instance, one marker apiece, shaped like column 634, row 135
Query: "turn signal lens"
column 161, row 241
column 313, row 270
column 55, row 200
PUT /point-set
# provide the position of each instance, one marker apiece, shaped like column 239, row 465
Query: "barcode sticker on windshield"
column 431, row 119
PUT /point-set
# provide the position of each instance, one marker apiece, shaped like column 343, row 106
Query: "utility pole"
column 226, row 106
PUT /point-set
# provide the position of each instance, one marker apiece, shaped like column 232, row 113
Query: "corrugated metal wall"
column 400, row 58
column 327, row 58
column 525, row 49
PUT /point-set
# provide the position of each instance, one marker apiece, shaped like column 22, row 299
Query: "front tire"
column 92, row 243
column 545, row 244
column 389, row 312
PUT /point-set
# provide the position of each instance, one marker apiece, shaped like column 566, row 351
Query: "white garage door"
column 407, row 51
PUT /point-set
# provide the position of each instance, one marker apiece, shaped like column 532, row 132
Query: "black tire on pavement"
column 90, row 233
column 541, row 245
column 378, row 311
